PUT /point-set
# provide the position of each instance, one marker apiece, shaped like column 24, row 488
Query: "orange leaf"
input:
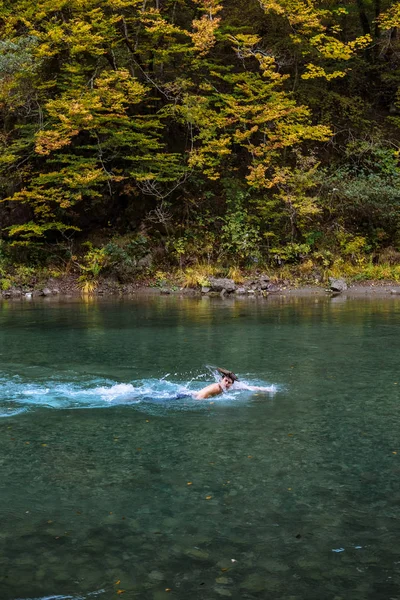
column 189, row 483
column 208, row 497
column 117, row 582
column 120, row 591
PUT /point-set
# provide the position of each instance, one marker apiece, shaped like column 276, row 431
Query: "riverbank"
column 68, row 286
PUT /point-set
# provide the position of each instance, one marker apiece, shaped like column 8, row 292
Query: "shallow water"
column 109, row 483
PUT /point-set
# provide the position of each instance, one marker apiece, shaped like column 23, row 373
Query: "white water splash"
column 58, row 597
column 17, row 395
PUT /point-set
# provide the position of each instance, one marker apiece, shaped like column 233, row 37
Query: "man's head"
column 226, row 382
column 228, row 374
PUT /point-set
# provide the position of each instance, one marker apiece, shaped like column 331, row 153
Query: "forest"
column 144, row 137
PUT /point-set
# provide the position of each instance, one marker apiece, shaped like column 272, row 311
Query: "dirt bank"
column 67, row 286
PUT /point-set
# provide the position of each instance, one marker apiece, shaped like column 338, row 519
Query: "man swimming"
column 227, row 380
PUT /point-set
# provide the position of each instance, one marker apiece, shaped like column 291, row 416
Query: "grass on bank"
column 367, row 272
column 93, row 265
column 306, row 273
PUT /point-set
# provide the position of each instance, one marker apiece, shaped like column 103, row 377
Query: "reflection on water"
column 289, row 495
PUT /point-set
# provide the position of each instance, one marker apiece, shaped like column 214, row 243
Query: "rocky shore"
column 259, row 286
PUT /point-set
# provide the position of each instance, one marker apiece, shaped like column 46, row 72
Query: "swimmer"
column 227, row 380
column 224, row 385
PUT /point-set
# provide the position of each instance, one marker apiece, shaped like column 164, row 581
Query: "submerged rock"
column 222, row 580
column 254, row 583
column 156, row 575
column 275, row 566
column 197, row 553
column 161, row 595
column 222, row 591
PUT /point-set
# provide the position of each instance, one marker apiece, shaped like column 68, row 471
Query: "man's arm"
column 211, row 390
column 257, row 388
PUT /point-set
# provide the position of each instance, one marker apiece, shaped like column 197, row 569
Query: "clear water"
column 111, row 485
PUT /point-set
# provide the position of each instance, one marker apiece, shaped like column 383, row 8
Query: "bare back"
column 208, row 392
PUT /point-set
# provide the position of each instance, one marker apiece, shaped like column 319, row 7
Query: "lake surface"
column 113, row 486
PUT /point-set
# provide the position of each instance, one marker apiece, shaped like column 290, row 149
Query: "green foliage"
column 17, row 56
column 292, row 253
column 95, row 259
column 161, row 279
column 6, row 284
column 364, row 192
column 124, row 255
column 226, row 132
column 239, row 238
column 197, row 276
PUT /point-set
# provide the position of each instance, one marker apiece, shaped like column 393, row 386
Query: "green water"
column 106, row 476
